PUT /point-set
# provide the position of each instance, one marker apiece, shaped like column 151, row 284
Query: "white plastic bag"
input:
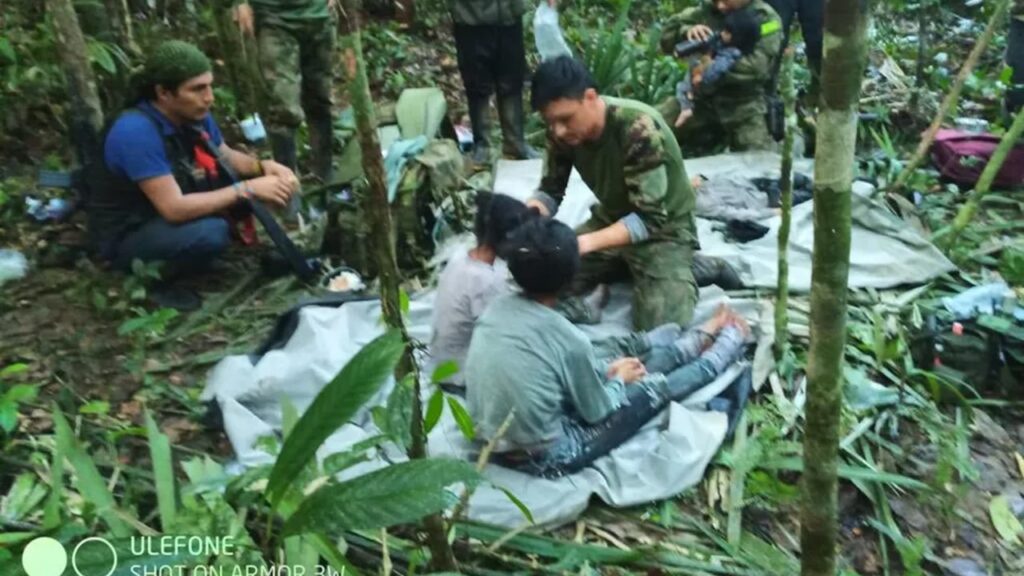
column 547, row 33
column 13, row 265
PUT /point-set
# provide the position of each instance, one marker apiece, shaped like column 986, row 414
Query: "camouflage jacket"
column 487, row 12
column 751, row 73
column 635, row 167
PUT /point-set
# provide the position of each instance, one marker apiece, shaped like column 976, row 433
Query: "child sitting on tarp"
column 471, row 280
column 567, row 407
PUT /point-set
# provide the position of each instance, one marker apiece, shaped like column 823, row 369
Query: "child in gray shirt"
column 471, row 280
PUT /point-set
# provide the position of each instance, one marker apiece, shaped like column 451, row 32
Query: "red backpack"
column 961, row 157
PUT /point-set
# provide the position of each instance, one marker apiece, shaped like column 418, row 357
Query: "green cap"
column 174, row 62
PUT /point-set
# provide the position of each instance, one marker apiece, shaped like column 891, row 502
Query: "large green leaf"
column 55, row 502
column 462, row 418
column 163, row 472
column 357, row 382
column 434, row 409
column 394, row 495
column 90, row 483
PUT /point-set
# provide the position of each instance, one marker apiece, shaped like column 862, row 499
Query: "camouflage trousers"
column 714, row 126
column 664, row 289
column 296, row 69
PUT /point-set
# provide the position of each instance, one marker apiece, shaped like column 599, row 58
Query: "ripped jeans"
column 581, row 443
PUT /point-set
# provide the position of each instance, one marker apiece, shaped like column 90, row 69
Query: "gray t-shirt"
column 528, row 358
column 464, row 290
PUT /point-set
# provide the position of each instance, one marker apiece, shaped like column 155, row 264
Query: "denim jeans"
column 188, row 246
column 582, row 443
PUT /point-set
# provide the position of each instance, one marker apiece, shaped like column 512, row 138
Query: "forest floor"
column 927, row 477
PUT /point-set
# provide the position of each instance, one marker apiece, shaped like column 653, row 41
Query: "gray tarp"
column 665, row 458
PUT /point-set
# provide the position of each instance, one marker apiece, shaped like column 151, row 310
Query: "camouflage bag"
column 429, row 205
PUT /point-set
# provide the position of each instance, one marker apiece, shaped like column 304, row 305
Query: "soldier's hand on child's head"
column 698, row 32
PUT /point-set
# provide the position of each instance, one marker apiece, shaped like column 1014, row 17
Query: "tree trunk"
column 242, row 71
column 786, row 186
column 121, row 21
column 86, row 110
column 951, row 97
column 967, row 211
column 842, row 70
column 375, row 206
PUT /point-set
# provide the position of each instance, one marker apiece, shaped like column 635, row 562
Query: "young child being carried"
column 738, row 38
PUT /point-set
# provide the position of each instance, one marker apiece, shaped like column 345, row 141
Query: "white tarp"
column 665, row 458
column 885, row 253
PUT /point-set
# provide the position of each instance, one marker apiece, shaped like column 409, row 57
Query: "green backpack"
column 430, row 202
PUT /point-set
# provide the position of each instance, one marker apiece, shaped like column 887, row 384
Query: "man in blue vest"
column 167, row 182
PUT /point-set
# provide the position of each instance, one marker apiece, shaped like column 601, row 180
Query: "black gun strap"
column 298, row 263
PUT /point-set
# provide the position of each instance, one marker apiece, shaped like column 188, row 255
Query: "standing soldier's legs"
column 812, row 25
column 745, row 126
column 317, row 81
column 1015, row 59
column 510, row 77
column 476, row 48
column 701, row 135
column 664, row 289
column 279, row 64
column 279, row 53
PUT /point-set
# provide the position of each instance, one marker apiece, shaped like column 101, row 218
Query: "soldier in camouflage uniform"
column 643, row 227
column 733, row 112
column 492, row 56
column 296, row 45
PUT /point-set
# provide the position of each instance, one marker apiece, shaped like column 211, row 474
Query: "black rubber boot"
column 480, row 118
column 283, row 146
column 321, row 144
column 708, row 270
column 510, row 111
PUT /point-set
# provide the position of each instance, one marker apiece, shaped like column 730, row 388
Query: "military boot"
column 321, row 144
column 510, row 111
column 708, row 270
column 480, row 119
column 282, row 144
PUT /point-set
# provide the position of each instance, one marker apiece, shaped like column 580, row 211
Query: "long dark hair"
column 497, row 215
